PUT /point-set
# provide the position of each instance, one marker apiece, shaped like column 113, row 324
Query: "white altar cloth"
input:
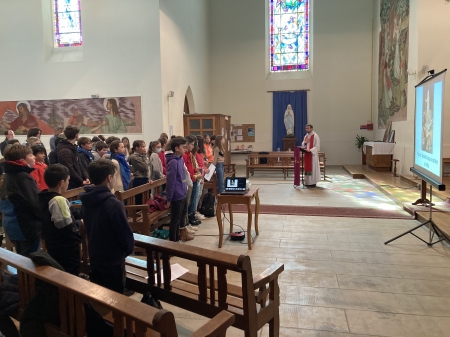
column 379, row 147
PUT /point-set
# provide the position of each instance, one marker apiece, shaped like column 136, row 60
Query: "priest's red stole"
column 308, row 156
column 296, row 166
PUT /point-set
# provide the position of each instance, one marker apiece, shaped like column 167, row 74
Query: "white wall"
column 121, row 55
column 184, row 59
column 340, row 79
column 434, row 50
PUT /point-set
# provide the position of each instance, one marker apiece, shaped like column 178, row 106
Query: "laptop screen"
column 235, row 184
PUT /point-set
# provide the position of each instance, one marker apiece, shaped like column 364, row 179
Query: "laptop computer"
column 236, row 186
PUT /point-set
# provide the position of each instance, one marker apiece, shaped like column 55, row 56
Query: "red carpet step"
column 326, row 211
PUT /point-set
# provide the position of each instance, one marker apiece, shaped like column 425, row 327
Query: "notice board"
column 242, row 133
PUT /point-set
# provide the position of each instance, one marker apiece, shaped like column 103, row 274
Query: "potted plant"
column 360, row 140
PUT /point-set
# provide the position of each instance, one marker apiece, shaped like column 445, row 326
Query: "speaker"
column 237, row 236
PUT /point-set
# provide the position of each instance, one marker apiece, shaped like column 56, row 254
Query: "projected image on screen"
column 427, row 120
column 428, row 127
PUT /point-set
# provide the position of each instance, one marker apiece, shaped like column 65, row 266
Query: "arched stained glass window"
column 67, row 21
column 289, row 35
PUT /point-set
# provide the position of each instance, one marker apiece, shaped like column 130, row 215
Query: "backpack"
column 208, row 208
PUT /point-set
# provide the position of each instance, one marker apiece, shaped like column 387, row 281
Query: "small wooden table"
column 245, row 199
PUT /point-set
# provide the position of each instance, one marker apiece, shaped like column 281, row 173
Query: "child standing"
column 60, row 230
column 19, row 201
column 126, row 144
column 218, row 161
column 39, row 167
column 208, row 149
column 110, row 238
column 176, row 190
column 85, row 156
column 123, row 172
column 190, row 162
column 139, row 166
column 100, row 150
column 201, row 162
column 156, row 168
column 162, row 155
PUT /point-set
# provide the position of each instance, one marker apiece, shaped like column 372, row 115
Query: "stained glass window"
column 67, row 20
column 289, row 35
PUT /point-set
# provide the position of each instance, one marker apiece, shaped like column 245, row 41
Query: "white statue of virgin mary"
column 289, row 120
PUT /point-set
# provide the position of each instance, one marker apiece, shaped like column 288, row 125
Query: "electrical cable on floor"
column 223, row 223
column 223, row 228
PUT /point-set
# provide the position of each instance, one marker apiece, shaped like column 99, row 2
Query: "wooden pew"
column 140, row 220
column 130, row 317
column 254, row 303
column 281, row 161
column 74, row 194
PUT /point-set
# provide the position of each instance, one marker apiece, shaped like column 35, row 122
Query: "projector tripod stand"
column 434, row 229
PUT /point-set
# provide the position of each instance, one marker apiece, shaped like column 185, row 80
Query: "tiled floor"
column 338, row 190
column 340, row 280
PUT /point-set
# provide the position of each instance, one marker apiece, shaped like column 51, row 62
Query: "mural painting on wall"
column 116, row 115
column 393, row 61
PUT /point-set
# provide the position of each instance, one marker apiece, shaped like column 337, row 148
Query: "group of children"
column 33, row 206
column 188, row 160
column 30, row 215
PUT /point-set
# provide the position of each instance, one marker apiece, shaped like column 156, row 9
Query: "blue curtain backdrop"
column 280, row 102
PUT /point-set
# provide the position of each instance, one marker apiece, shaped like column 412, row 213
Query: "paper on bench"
column 176, row 271
column 209, row 175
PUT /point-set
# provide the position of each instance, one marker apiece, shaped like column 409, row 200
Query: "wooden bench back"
column 128, row 313
column 74, row 194
column 139, row 218
column 284, row 158
column 129, row 197
column 210, row 264
column 207, row 292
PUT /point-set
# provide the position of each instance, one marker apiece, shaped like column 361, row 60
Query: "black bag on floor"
column 263, row 160
column 151, row 301
column 208, row 208
column 96, row 325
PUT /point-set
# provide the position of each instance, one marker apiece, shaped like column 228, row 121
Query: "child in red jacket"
column 39, row 167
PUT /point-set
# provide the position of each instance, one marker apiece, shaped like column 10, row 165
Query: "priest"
column 311, row 143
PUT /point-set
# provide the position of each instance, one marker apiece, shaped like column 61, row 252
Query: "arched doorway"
column 186, row 105
column 189, row 107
